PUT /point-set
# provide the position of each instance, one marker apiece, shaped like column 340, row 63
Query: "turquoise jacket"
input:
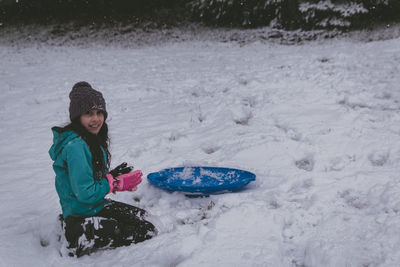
column 80, row 195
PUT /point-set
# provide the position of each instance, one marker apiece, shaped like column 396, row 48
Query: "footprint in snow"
column 243, row 118
column 249, row 101
column 44, row 242
column 354, row 199
column 378, row 158
column 210, row 149
column 383, row 95
column 339, row 163
column 290, row 132
column 306, row 163
column 175, row 136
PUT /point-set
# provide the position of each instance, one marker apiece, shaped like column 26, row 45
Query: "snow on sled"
column 201, row 180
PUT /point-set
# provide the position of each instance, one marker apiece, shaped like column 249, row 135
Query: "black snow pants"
column 117, row 224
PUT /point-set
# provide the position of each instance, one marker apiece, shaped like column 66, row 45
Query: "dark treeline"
column 106, row 11
column 293, row 14
column 288, row 14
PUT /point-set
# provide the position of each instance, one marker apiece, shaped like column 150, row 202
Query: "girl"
column 81, row 156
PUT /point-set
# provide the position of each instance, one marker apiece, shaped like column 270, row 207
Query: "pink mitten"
column 125, row 182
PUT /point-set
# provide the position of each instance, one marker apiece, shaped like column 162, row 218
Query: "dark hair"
column 95, row 143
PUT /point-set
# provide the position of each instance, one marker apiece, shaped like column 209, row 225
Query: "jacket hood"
column 60, row 139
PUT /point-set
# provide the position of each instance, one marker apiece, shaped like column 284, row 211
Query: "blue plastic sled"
column 201, row 180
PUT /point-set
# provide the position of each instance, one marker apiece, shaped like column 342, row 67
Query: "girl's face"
column 92, row 121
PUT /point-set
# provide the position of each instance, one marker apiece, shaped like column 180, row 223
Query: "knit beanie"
column 84, row 98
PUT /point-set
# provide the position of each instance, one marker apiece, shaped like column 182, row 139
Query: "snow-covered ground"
column 318, row 123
